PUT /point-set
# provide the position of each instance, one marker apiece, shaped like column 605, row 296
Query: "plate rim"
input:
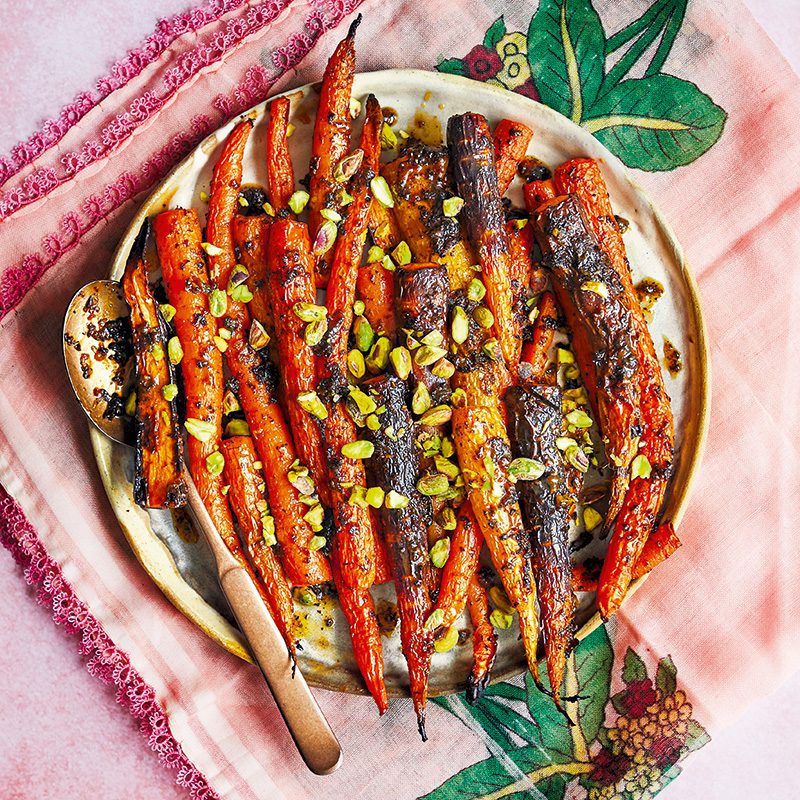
column 155, row 557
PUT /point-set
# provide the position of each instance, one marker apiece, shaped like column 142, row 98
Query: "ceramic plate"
column 181, row 565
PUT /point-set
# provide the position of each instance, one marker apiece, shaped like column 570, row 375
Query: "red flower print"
column 666, row 752
column 639, row 695
column 481, row 63
column 608, row 768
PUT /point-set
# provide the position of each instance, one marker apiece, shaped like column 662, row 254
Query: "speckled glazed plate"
column 181, row 565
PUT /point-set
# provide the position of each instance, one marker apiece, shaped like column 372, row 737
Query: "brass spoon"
column 98, row 382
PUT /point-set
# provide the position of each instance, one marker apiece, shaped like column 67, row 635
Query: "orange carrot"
column 511, row 140
column 250, row 237
column 536, row 351
column 280, row 173
column 538, row 192
column 484, row 640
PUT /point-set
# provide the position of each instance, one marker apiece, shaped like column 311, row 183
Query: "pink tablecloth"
column 61, row 733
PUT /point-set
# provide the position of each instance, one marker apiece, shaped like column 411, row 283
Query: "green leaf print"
column 656, row 123
column 634, row 668
column 495, row 33
column 666, row 676
column 566, row 51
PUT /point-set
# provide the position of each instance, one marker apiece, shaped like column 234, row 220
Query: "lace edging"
column 104, row 659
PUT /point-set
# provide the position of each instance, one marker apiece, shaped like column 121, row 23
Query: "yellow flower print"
column 513, row 50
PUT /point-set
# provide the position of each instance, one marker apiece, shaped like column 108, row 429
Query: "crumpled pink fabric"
column 726, row 607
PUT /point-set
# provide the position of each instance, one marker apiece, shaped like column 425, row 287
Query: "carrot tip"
column 421, row 727
column 351, row 32
column 476, row 687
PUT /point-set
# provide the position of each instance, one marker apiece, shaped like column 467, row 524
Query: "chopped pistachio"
column 452, row 206
column 388, row 139
column 364, row 336
column 421, row 400
column 565, row 356
column 355, row 107
column 359, row 450
column 640, row 467
column 375, row 254
column 580, row 419
column 520, row 223
column 221, row 344
column 402, row 253
column 215, row 462
column 217, row 302
column 526, row 469
column 373, row 423
column 298, row 201
column 447, row 518
column 290, row 129
column 241, row 294
column 211, row 249
column 500, row 599
column 432, row 485
column 331, row 214
column 315, row 332
column 258, row 336
column 446, row 467
column 225, row 334
column 157, row 351
column 317, row 542
column 476, row 291
column 345, row 198
column 326, row 236
column 174, row 350
column 395, row 499
column 591, row 518
column 309, row 312
column 366, row 405
column 258, row 465
column 306, row 596
column 355, row 363
column 578, row 459
column 439, row 552
column 169, row 392
column 459, row 325
column 572, row 372
column 447, row 447
column 381, row 191
column 309, row 401
column 388, row 264
column 401, row 361
column 130, row 404
column 358, row 497
column 598, row 287
column 314, row 517
column 446, row 642
column 237, row 427
column 427, row 355
column 268, row 529
column 378, row 356
column 167, row 312
column 359, row 307
column 411, row 342
column 483, row 317
column 203, row 197
column 443, row 369
column 491, row 348
column 239, row 274
column 500, row 619
column 434, row 620
column 563, row 443
column 348, row 166
column 458, row 398
column 268, row 209
column 375, row 496
column 243, row 201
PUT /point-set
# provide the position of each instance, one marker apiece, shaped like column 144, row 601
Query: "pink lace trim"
column 134, row 61
column 104, row 659
column 17, row 280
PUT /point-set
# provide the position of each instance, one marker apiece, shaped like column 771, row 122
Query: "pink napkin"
column 714, row 628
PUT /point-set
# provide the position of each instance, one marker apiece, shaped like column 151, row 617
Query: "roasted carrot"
column 520, row 242
column 250, row 238
column 158, row 480
column 598, row 311
column 405, row 527
column 280, row 173
column 331, row 139
column 292, row 287
column 359, row 611
column 178, row 241
column 465, row 549
column 645, row 495
column 484, row 640
column 246, row 496
column 349, row 245
column 383, row 573
column 303, row 565
column 223, row 203
column 538, row 192
column 475, row 176
column 511, row 140
column 536, row 351
column 484, row 453
column 375, row 286
column 534, row 425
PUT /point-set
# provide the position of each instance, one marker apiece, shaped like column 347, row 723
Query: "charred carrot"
column 280, row 173
column 645, row 495
column 536, row 351
column 475, row 176
column 250, row 239
column 484, row 640
column 383, row 573
column 246, row 496
column 293, row 292
column 331, row 139
column 534, row 425
column 484, row 453
column 295, row 521
column 462, row 561
column 349, row 245
column 599, row 314
column 158, row 471
column 375, row 287
column 405, row 526
column 538, row 192
column 511, row 140
column 178, row 241
column 223, row 203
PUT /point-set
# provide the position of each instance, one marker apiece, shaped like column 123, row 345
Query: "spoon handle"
column 310, row 730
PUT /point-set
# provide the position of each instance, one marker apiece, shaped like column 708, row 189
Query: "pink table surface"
column 62, row 733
